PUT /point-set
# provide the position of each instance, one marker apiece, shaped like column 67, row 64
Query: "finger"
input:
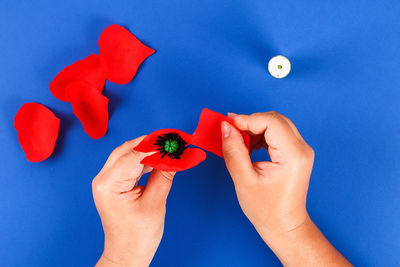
column 294, row 128
column 235, row 153
column 147, row 169
column 158, row 187
column 128, row 166
column 278, row 134
column 122, row 150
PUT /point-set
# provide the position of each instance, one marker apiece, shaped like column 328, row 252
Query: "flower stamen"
column 171, row 144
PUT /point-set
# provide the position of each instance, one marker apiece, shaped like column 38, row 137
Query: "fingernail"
column 225, row 129
column 231, row 114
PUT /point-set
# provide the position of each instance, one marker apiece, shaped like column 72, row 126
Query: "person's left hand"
column 132, row 216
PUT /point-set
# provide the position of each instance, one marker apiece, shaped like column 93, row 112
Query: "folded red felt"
column 88, row 70
column 82, row 82
column 90, row 107
column 37, row 129
column 208, row 134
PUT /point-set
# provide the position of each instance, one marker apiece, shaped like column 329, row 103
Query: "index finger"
column 122, row 150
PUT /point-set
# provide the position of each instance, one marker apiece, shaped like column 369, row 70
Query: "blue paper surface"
column 343, row 94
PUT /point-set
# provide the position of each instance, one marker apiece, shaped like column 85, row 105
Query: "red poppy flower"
column 208, row 132
column 37, row 129
column 90, row 107
column 88, row 70
column 171, row 150
column 121, row 53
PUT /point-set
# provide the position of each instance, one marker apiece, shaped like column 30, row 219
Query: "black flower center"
column 171, row 144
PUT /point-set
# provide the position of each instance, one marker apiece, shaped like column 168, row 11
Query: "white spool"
column 279, row 67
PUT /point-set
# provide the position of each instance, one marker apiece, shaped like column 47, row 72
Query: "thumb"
column 235, row 153
column 158, row 186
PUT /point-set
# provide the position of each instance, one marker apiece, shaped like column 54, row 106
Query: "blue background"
column 343, row 94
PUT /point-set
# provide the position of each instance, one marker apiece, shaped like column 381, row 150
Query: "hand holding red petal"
column 208, row 134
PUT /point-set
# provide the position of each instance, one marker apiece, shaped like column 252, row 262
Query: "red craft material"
column 208, row 134
column 121, row 53
column 88, row 70
column 90, row 107
column 190, row 157
column 37, row 129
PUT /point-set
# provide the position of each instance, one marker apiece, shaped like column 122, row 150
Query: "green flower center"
column 171, row 146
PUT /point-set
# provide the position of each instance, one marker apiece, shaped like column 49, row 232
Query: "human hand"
column 132, row 216
column 272, row 194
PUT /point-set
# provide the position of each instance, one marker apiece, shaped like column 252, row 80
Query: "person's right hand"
column 272, row 194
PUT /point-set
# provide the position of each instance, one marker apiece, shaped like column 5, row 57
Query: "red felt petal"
column 91, row 108
column 37, row 129
column 190, row 158
column 88, row 70
column 147, row 144
column 122, row 53
column 208, row 132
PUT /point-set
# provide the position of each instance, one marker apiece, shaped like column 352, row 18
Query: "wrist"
column 305, row 245
column 119, row 255
column 282, row 228
column 104, row 261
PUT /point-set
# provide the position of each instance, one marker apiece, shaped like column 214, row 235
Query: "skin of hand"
column 132, row 216
column 272, row 194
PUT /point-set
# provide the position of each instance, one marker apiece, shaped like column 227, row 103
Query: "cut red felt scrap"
column 208, row 134
column 121, row 53
column 91, row 108
column 182, row 159
column 88, row 70
column 37, row 129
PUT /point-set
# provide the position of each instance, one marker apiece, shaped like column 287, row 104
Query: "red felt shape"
column 88, row 70
column 91, row 108
column 190, row 157
column 208, row 132
column 37, row 129
column 147, row 144
column 121, row 53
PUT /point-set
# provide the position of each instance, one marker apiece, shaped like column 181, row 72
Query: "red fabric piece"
column 190, row 157
column 147, row 144
column 121, row 53
column 91, row 108
column 208, row 134
column 88, row 70
column 37, row 129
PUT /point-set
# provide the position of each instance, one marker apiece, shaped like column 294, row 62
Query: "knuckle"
column 131, row 156
column 305, row 156
column 122, row 147
column 117, row 149
column 274, row 114
column 311, row 152
column 168, row 175
column 97, row 186
column 230, row 149
column 125, row 145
